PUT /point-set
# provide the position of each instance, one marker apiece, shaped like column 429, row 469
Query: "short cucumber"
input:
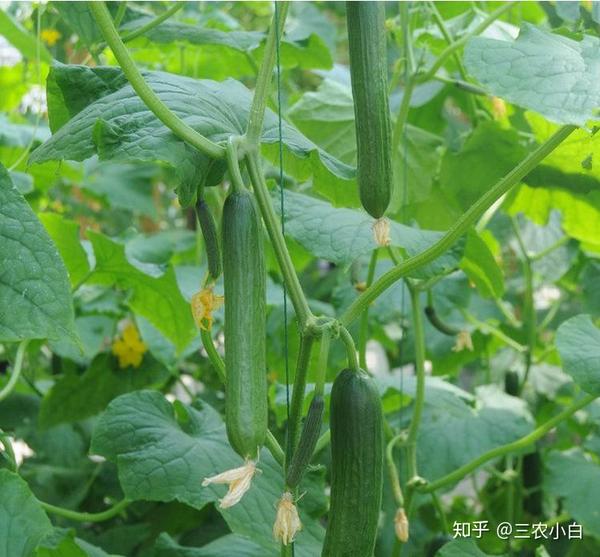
column 211, row 240
column 368, row 72
column 244, row 278
column 307, row 443
column 356, row 466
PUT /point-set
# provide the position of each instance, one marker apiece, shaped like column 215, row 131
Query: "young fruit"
column 368, row 72
column 307, row 443
column 356, row 466
column 211, row 240
column 245, row 325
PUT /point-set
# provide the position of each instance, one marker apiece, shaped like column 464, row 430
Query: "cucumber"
column 307, row 443
column 211, row 240
column 244, row 278
column 368, row 73
column 356, row 466
column 512, row 383
column 442, row 327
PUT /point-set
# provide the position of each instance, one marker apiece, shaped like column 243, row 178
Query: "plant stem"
column 347, row 339
column 440, row 511
column 541, row 254
column 306, row 344
column 261, row 192
column 364, row 320
column 16, row 372
column 462, row 85
column 419, row 342
column 153, row 23
column 494, row 331
column 270, row 442
column 265, row 73
column 148, row 96
column 213, row 355
column 459, row 228
column 86, row 517
column 322, row 364
column 233, row 165
column 452, row 48
column 393, row 471
column 515, row 446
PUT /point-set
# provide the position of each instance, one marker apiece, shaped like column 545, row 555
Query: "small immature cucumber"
column 442, row 327
column 356, row 466
column 307, row 443
column 368, row 72
column 512, row 383
column 244, row 278
column 211, row 240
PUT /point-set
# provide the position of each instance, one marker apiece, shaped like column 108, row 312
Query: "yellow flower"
column 498, row 108
column 129, row 348
column 50, row 36
column 203, row 305
column 239, row 481
column 287, row 522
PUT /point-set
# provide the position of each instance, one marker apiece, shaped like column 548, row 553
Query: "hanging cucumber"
column 368, row 72
column 307, row 443
column 356, row 466
column 211, row 240
column 245, row 324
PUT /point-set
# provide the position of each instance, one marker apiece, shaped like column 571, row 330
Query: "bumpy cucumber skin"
column 211, row 239
column 368, row 72
column 356, row 466
column 307, row 443
column 246, row 413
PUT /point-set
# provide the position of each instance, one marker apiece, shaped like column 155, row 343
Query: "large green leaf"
column 35, row 294
column 157, row 298
column 63, row 543
column 163, row 453
column 479, row 265
column 550, row 74
column 576, row 479
column 65, row 234
column 341, row 235
column 23, row 523
column 578, row 343
column 226, row 546
column 75, row 397
column 110, row 120
column 461, row 548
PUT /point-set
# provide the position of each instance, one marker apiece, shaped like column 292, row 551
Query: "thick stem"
column 233, row 165
column 265, row 73
column 419, row 402
column 348, row 341
column 459, row 228
column 263, row 198
column 503, row 450
column 16, row 372
column 306, row 344
column 86, row 517
column 148, row 96
column 364, row 320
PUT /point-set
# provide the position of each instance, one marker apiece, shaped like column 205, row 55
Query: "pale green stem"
column 298, row 392
column 364, row 320
column 494, row 331
column 303, row 313
column 393, row 471
column 16, row 372
column 86, row 517
column 458, row 229
column 265, row 74
column 558, row 244
column 348, row 341
column 148, row 96
column 515, row 446
column 153, row 23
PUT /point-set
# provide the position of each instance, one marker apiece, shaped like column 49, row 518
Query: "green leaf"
column 23, row 523
column 216, row 110
column 76, row 397
column 65, row 234
column 21, row 135
column 461, row 548
column 576, row 479
column 158, row 299
column 578, row 343
column 479, row 265
column 341, row 235
column 226, row 546
column 63, row 543
column 550, row 74
column 22, row 40
column 35, row 295
column 163, row 453
column 461, row 432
